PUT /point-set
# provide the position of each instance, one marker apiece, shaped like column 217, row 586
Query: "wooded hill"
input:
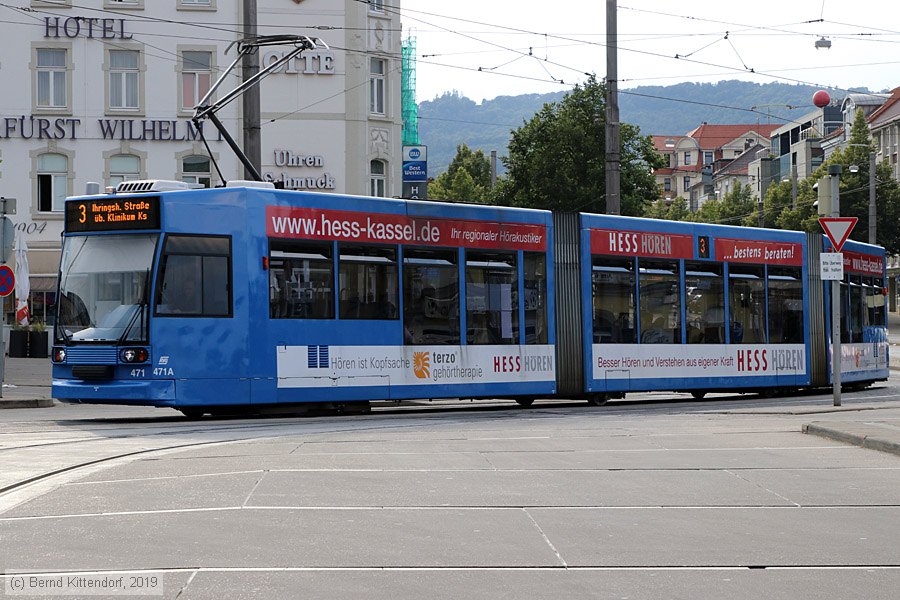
column 452, row 119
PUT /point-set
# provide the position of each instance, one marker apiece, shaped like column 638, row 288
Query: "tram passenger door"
column 200, row 336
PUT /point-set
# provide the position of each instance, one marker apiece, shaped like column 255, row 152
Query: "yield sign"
column 838, row 229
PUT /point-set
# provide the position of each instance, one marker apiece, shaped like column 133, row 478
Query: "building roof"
column 666, row 143
column 711, row 137
column 887, row 111
column 863, row 99
column 685, row 170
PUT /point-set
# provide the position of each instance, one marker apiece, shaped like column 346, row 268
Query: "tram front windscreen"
column 103, row 288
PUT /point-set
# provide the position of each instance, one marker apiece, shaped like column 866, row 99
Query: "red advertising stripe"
column 864, row 264
column 350, row 226
column 759, row 252
column 641, row 243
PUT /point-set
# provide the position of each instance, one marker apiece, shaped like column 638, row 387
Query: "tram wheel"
column 598, row 399
column 524, row 402
column 698, row 395
column 192, row 413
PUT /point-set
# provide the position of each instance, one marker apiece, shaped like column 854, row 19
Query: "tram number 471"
column 157, row 371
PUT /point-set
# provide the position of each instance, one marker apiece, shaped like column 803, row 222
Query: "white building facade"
column 105, row 90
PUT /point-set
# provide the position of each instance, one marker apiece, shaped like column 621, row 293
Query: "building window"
column 124, row 75
column 667, row 184
column 707, row 158
column 687, row 183
column 124, row 167
column 377, row 172
column 123, row 4
column 376, row 85
column 198, row 4
column 196, row 71
column 51, row 78
column 196, row 169
column 376, row 5
column 52, row 182
column 687, row 158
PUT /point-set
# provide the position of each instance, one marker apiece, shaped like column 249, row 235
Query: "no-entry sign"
column 7, row 280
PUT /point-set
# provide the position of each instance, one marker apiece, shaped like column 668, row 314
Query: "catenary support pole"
column 613, row 201
column 493, row 169
column 250, row 99
column 793, row 186
column 873, row 210
column 835, row 172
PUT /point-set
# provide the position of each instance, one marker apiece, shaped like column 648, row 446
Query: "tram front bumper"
column 153, row 392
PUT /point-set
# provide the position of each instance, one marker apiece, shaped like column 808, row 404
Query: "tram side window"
column 368, row 282
column 195, row 276
column 845, row 310
column 535, row 284
column 785, row 305
column 858, row 310
column 613, row 293
column 704, row 293
column 492, row 299
column 747, row 299
column 430, row 296
column 301, row 280
column 660, row 301
column 875, row 300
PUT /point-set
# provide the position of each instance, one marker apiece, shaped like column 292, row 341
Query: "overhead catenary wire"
column 493, row 71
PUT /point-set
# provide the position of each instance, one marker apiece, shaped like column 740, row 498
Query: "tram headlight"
column 133, row 355
column 59, row 355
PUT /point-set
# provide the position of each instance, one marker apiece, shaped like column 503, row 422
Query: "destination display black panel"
column 112, row 214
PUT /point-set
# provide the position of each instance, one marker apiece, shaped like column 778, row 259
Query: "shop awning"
column 43, row 284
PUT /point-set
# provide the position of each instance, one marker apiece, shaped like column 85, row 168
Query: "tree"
column 854, row 194
column 737, row 206
column 676, row 210
column 557, row 159
column 855, row 189
column 468, row 179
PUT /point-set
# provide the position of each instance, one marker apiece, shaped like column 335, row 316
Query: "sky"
column 488, row 48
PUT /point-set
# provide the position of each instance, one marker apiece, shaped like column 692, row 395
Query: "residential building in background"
column 884, row 123
column 693, row 158
column 109, row 86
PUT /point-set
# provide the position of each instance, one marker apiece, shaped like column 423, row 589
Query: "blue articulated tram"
column 247, row 297
column 204, row 300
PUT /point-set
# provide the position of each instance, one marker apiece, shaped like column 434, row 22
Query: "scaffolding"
column 410, row 110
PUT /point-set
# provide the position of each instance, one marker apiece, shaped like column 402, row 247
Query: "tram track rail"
column 273, row 427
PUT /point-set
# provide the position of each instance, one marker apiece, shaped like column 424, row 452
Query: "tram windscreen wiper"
column 140, row 312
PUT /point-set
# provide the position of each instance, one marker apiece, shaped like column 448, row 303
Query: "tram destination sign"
column 112, row 214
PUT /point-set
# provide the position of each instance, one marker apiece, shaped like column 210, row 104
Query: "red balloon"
column 821, row 98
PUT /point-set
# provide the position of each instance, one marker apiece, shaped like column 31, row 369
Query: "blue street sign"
column 7, row 280
column 415, row 163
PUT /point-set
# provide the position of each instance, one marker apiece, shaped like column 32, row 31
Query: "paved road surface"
column 716, row 499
